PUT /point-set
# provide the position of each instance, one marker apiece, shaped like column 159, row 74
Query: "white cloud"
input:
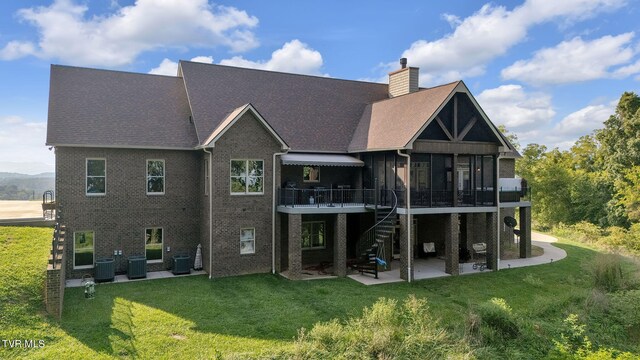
column 67, row 34
column 566, row 132
column 489, row 33
column 203, row 59
column 576, row 60
column 519, row 111
column 23, row 141
column 453, row 20
column 16, row 49
column 628, row 70
column 170, row 68
column 584, row 121
column 294, row 57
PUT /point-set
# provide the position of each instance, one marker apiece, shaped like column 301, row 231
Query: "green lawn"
column 193, row 317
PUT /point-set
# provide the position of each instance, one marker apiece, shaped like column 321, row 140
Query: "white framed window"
column 314, row 235
column 311, row 174
column 155, row 177
column 247, row 241
column 247, row 177
column 153, row 238
column 96, row 179
column 83, row 249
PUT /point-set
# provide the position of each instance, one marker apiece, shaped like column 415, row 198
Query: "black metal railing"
column 382, row 230
column 515, row 195
column 294, row 197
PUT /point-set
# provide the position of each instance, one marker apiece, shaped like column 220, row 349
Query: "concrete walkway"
column 551, row 253
column 434, row 268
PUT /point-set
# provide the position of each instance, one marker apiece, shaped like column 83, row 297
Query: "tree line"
column 596, row 181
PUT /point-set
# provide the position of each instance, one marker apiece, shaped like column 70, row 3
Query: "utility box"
column 105, row 270
column 137, row 267
column 181, row 264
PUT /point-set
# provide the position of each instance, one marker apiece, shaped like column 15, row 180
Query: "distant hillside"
column 14, row 186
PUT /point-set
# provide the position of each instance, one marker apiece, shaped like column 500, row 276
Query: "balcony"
column 325, row 198
column 357, row 200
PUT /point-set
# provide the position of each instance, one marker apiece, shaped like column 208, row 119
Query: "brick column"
column 525, row 232
column 491, row 240
column 451, row 244
column 295, row 246
column 340, row 246
column 405, row 222
column 278, row 240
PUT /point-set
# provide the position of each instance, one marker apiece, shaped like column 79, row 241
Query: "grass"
column 258, row 315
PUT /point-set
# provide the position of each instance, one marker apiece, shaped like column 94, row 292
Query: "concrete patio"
column 434, row 267
column 152, row 275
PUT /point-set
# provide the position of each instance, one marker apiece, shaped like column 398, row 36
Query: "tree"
column 512, row 137
column 620, row 138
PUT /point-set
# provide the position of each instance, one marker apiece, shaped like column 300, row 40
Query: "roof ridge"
column 417, row 92
column 284, row 73
column 114, row 71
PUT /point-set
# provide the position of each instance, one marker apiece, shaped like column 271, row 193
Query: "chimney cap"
column 403, row 62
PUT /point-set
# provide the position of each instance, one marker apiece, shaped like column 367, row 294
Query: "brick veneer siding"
column 525, row 232
column 491, row 241
column 506, row 233
column 507, row 168
column 120, row 217
column 246, row 139
column 316, row 256
column 405, row 273
column 340, row 246
column 451, row 244
column 294, row 251
column 55, row 281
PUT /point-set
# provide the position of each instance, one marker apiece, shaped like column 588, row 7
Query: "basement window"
column 247, row 241
column 83, row 249
column 153, row 244
column 314, row 235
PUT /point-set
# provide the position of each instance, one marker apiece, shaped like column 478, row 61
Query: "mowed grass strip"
column 259, row 315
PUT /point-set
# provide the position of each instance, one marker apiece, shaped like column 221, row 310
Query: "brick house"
column 273, row 172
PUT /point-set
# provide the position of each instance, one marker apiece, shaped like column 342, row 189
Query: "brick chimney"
column 403, row 81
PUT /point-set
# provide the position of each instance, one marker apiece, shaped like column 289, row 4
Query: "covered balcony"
column 322, row 183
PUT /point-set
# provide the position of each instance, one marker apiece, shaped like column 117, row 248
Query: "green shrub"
column 607, row 272
column 497, row 321
column 575, row 345
column 583, row 231
column 384, row 331
column 625, row 310
column 533, row 280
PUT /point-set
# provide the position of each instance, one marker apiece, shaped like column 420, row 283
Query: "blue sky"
column 551, row 71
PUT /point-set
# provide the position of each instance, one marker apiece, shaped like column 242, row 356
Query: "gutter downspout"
column 498, row 210
column 273, row 212
column 210, row 212
column 409, row 223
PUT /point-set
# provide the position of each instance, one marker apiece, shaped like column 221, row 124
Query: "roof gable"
column 393, row 123
column 232, row 118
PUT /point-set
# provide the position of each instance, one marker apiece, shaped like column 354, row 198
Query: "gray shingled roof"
column 90, row 107
column 311, row 113
column 390, row 124
column 112, row 108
